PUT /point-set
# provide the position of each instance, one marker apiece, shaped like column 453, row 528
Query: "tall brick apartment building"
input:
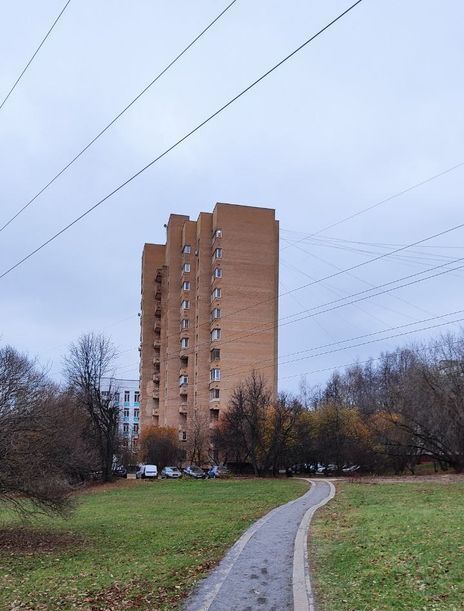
column 205, row 294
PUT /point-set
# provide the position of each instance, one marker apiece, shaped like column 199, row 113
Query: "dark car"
column 119, row 471
column 195, row 472
column 170, row 473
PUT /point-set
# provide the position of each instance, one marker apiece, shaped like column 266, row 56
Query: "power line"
column 335, row 304
column 180, row 141
column 363, row 281
column 35, row 53
column 340, row 349
column 383, row 201
column 358, row 265
column 118, row 116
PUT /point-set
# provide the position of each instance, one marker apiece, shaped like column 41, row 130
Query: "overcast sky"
column 370, row 108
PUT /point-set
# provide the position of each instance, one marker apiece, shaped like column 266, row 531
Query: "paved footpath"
column 266, row 570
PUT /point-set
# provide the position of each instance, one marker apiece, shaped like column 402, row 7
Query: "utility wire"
column 236, row 371
column 358, row 265
column 334, row 305
column 118, row 116
column 381, row 202
column 180, row 141
column 33, row 56
column 363, row 281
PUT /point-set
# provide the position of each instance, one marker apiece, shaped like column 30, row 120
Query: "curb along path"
column 267, row 568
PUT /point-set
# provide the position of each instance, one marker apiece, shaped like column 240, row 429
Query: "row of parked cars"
column 151, row 472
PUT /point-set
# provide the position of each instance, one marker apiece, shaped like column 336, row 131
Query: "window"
column 184, row 323
column 217, row 234
column 186, row 267
column 217, row 272
column 184, row 342
column 116, row 397
column 187, row 249
column 215, row 334
column 215, row 354
column 183, row 380
column 126, row 396
column 105, row 393
column 216, row 294
column 125, row 428
column 136, row 413
column 135, row 428
column 186, row 286
column 184, row 436
column 214, row 394
column 126, row 412
column 136, row 396
column 185, row 304
column 215, row 374
column 215, row 314
column 214, row 415
column 218, row 253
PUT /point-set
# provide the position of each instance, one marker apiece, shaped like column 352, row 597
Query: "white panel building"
column 126, row 397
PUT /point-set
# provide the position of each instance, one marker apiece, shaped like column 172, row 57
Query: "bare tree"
column 32, row 477
column 245, row 419
column 88, row 361
column 198, row 438
column 159, row 446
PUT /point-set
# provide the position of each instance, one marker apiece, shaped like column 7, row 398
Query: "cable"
column 338, row 273
column 33, row 56
column 261, row 368
column 118, row 116
column 363, row 281
column 335, row 305
column 176, row 144
column 384, row 201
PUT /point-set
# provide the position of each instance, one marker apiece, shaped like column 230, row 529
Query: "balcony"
column 157, row 326
column 183, row 408
column 156, row 393
column 157, row 343
column 159, row 276
column 156, row 360
column 156, row 378
column 158, row 293
column 183, row 389
column 158, row 309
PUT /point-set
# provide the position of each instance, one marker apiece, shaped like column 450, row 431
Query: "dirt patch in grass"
column 32, row 541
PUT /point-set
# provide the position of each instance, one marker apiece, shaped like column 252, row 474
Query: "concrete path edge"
column 303, row 597
column 227, row 563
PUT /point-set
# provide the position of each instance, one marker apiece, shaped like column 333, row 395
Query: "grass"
column 134, row 545
column 390, row 546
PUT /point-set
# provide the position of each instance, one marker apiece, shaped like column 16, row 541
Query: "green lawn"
column 137, row 545
column 390, row 546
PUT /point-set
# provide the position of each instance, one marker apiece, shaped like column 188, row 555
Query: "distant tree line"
column 382, row 416
column 385, row 415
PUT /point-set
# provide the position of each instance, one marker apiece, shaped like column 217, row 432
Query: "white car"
column 147, row 472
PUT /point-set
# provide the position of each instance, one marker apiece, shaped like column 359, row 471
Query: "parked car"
column 195, row 472
column 325, row 469
column 351, row 469
column 119, row 471
column 147, row 472
column 170, row 473
column 218, row 471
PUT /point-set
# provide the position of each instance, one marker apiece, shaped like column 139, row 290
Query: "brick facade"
column 219, row 273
